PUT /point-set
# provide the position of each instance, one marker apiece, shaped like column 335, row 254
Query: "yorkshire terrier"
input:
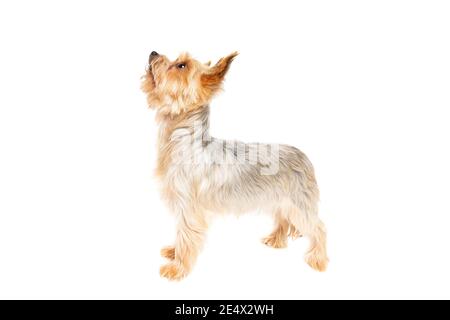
column 200, row 175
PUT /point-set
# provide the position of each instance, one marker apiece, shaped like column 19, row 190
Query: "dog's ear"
column 212, row 79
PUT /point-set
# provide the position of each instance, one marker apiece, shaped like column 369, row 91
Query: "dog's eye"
column 181, row 65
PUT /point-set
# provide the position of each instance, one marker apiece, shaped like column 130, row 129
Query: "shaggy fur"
column 200, row 175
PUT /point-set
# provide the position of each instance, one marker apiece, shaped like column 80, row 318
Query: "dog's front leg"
column 191, row 229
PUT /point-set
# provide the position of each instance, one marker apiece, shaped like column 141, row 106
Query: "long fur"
column 200, row 175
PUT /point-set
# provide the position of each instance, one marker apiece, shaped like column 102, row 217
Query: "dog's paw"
column 294, row 233
column 275, row 242
column 168, row 252
column 317, row 261
column 172, row 271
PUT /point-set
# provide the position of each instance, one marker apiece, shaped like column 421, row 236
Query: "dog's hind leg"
column 293, row 232
column 305, row 219
column 278, row 238
column 316, row 257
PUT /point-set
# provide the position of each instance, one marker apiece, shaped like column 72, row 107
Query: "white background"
column 362, row 87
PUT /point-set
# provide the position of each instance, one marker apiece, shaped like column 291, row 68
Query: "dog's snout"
column 153, row 55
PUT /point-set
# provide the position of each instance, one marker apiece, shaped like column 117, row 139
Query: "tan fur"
column 168, row 252
column 200, row 174
column 278, row 238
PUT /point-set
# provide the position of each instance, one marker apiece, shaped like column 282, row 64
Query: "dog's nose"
column 153, row 55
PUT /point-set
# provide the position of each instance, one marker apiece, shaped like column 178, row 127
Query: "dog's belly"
column 239, row 192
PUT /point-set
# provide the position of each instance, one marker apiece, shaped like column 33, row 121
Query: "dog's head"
column 182, row 85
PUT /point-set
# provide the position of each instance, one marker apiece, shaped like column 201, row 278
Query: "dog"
column 200, row 175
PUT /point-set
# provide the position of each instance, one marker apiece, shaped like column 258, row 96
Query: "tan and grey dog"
column 201, row 175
